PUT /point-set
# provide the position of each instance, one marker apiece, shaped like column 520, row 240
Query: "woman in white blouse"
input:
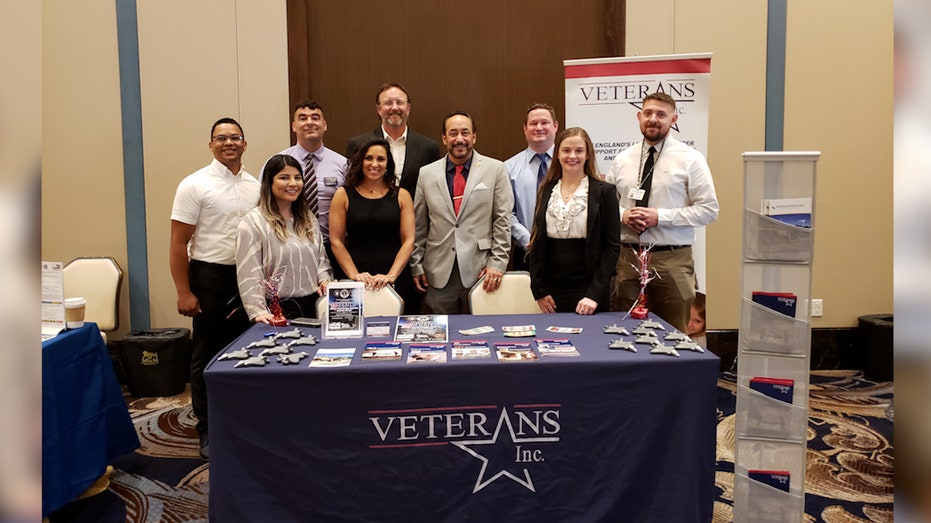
column 280, row 240
column 575, row 239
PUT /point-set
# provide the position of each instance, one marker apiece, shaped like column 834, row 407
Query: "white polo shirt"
column 214, row 201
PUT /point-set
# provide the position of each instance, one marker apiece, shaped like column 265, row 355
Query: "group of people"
column 397, row 213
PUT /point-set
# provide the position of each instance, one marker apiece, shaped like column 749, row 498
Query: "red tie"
column 458, row 188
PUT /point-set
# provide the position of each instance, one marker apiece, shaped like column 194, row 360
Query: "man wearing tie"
column 665, row 190
column 463, row 207
column 324, row 169
column 526, row 170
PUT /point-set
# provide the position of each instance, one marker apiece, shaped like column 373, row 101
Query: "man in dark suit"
column 410, row 150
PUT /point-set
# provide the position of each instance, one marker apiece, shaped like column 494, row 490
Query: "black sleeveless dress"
column 373, row 237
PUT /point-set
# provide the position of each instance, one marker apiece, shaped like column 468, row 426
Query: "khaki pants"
column 669, row 295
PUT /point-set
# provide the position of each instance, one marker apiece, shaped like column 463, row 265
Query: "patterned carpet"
column 849, row 475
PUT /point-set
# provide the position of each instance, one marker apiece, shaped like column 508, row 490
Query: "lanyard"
column 640, row 177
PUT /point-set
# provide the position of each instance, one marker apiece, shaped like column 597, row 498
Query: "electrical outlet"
column 817, row 308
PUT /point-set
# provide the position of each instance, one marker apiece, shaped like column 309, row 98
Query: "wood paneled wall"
column 489, row 58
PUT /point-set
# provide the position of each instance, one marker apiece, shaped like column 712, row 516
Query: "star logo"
column 497, row 450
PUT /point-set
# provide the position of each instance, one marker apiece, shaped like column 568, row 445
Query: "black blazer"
column 420, row 151
column 602, row 244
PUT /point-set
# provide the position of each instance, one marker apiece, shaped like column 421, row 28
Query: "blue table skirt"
column 606, row 436
column 85, row 422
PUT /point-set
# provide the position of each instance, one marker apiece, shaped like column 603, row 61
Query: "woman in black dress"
column 576, row 233
column 372, row 222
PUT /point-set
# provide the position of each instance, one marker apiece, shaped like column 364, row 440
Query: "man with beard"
column 463, row 210
column 665, row 190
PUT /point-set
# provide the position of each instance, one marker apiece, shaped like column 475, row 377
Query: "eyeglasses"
column 235, row 138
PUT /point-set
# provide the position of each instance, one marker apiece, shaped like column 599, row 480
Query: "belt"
column 656, row 248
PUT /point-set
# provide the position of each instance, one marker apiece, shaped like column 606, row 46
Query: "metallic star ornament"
column 255, row 361
column 616, row 329
column 292, row 359
column 239, row 354
column 664, row 349
column 620, row 343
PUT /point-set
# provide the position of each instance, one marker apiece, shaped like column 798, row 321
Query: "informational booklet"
column 519, row 331
column 564, row 330
column 781, row 302
column 344, row 310
column 791, row 211
column 774, row 478
column 382, row 351
column 470, row 349
column 377, row 329
column 53, row 299
column 326, row 357
column 484, row 329
column 776, row 388
column 423, row 328
column 556, row 347
column 516, row 351
column 427, row 353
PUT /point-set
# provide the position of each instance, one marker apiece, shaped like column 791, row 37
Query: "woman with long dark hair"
column 280, row 240
column 372, row 223
column 576, row 233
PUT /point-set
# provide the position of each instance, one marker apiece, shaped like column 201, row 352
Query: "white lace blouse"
column 568, row 219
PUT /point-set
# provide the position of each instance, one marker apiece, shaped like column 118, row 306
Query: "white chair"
column 513, row 296
column 98, row 281
column 383, row 302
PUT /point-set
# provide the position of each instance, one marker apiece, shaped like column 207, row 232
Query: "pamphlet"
column 564, row 330
column 382, row 351
column 776, row 388
column 520, row 331
column 344, row 310
column 556, row 347
column 774, row 478
column 326, row 357
column 425, row 328
column 485, row 329
column 516, row 351
column 377, row 329
column 470, row 349
column 427, row 353
column 53, row 299
column 781, row 302
column 791, row 211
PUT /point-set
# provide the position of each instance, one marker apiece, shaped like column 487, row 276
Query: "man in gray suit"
column 410, row 150
column 463, row 209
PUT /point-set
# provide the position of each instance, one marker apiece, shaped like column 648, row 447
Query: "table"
column 85, row 422
column 606, row 436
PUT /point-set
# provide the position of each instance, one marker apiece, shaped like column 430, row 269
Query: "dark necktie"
column 459, row 184
column 646, row 179
column 541, row 171
column 309, row 191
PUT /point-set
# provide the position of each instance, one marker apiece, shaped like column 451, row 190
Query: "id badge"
column 635, row 193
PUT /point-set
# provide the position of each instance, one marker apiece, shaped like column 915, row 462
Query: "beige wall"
column 199, row 61
column 838, row 101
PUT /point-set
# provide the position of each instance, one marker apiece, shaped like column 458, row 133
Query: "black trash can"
column 157, row 362
column 875, row 334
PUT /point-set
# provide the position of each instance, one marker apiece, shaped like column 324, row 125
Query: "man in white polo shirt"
column 208, row 207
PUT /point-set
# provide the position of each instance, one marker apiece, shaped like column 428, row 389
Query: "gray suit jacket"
column 420, row 151
column 479, row 237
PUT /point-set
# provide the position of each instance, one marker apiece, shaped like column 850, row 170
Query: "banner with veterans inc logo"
column 604, row 95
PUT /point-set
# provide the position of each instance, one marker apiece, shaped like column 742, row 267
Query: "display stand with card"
column 774, row 343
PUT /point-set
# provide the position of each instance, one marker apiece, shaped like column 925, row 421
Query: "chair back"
column 383, row 302
column 97, row 280
column 513, row 296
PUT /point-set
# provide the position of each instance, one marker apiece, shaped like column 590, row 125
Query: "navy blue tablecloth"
column 85, row 422
column 606, row 436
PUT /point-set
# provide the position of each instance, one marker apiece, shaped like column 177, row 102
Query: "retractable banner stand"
column 603, row 96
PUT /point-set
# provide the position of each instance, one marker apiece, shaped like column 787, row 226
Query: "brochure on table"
column 53, row 299
column 344, row 310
